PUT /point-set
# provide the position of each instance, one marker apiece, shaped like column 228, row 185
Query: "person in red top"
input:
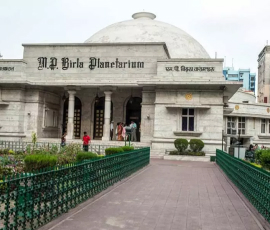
column 86, row 139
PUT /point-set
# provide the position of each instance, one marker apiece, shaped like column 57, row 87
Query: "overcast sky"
column 236, row 29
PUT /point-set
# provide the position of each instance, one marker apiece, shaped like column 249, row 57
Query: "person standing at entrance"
column 133, row 127
column 119, row 133
column 86, row 139
column 111, row 128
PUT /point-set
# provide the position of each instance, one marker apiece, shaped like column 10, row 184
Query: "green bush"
column 127, row 148
column 110, row 151
column 5, row 172
column 196, row 145
column 190, row 153
column 175, row 152
column 258, row 154
column 63, row 159
column 265, row 159
column 86, row 156
column 37, row 161
column 181, row 144
column 201, row 153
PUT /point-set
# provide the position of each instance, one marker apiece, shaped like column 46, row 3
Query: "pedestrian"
column 116, row 131
column 86, row 139
column 63, row 140
column 111, row 132
column 119, row 132
column 124, row 131
column 133, row 131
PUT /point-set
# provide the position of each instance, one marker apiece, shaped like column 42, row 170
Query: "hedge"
column 39, row 161
column 265, row 159
column 86, row 156
column 127, row 148
column 110, row 151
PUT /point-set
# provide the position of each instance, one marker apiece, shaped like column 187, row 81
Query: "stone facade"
column 59, row 88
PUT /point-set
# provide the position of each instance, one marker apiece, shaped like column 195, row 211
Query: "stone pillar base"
column 106, row 136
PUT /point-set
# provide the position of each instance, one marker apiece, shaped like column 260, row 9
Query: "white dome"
column 145, row 29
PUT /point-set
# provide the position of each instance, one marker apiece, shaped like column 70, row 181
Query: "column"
column 107, row 116
column 71, row 105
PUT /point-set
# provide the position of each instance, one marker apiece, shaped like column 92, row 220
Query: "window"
column 241, row 125
column 263, row 125
column 51, row 118
column 188, row 119
column 252, row 79
column 265, row 99
column 231, row 125
column 233, row 75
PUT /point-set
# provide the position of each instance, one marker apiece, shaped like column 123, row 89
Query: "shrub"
column 5, row 151
column 110, row 151
column 63, row 159
column 188, row 153
column 127, row 148
column 86, row 156
column 258, row 154
column 256, row 165
column 201, row 153
column 265, row 159
column 37, row 161
column 175, row 152
column 11, row 152
column 196, row 145
column 4, row 172
column 71, row 149
column 181, row 144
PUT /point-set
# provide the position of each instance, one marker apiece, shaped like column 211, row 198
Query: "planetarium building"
column 140, row 70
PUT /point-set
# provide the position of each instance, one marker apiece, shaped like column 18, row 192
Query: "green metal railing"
column 29, row 201
column 253, row 182
column 22, row 146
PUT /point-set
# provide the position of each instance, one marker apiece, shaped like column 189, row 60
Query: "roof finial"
column 144, row 15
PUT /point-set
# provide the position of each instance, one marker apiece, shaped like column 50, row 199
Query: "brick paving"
column 171, row 195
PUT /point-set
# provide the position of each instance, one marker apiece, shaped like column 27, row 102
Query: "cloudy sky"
column 237, row 29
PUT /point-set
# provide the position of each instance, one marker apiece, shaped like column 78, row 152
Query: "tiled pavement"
column 172, row 195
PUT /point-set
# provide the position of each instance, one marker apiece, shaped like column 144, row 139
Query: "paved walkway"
column 171, row 195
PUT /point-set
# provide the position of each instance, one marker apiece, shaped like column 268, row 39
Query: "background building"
column 241, row 75
column 264, row 75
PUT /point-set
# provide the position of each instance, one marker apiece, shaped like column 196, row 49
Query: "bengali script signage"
column 66, row 63
column 7, row 68
column 190, row 69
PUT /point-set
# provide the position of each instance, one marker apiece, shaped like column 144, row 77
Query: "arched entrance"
column 133, row 113
column 99, row 117
column 77, row 117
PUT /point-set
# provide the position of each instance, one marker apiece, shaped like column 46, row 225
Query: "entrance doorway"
column 99, row 117
column 77, row 117
column 133, row 113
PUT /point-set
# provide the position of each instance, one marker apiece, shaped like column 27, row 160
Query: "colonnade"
column 107, row 114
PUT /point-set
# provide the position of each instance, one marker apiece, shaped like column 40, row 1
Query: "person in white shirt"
column 133, row 127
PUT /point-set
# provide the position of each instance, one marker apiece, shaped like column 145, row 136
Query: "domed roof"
column 145, row 29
